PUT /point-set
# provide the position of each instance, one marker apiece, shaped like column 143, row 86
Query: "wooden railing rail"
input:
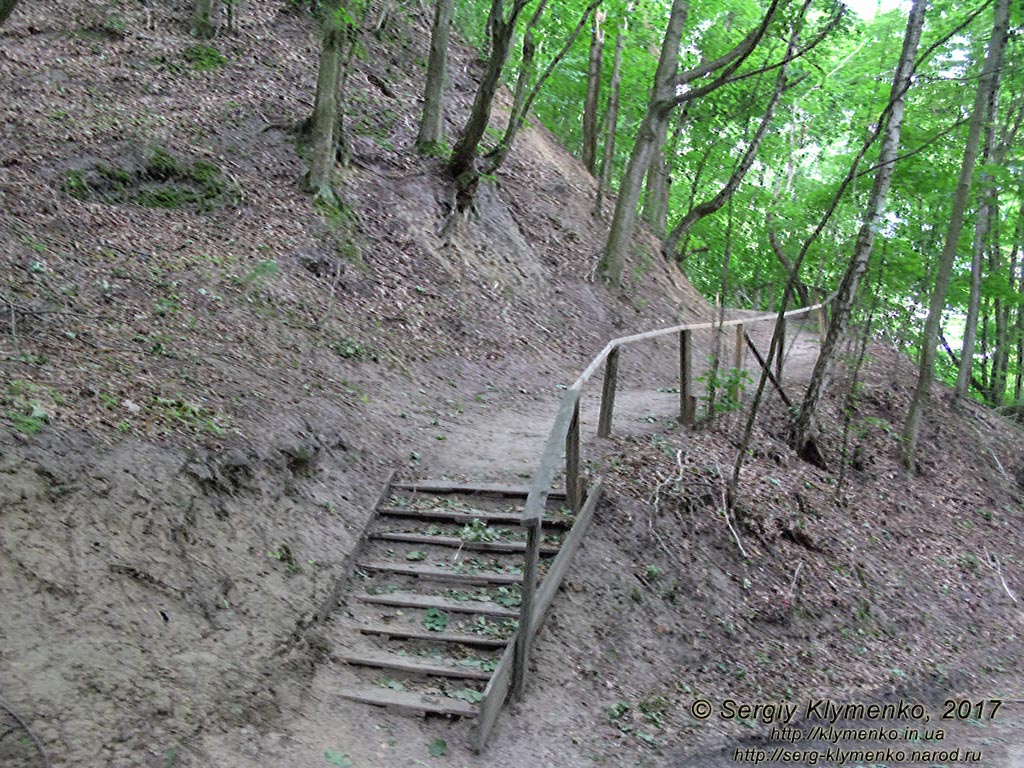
column 564, row 440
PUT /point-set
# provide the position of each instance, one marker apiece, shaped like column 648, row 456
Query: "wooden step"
column 412, row 600
column 413, row 665
column 413, row 633
column 449, row 486
column 455, row 542
column 409, row 701
column 441, row 574
column 456, row 516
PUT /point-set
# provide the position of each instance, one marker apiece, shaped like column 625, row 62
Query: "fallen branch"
column 725, row 514
column 792, row 584
column 993, row 563
column 31, row 735
column 656, row 500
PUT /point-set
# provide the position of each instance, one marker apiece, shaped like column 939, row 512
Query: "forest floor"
column 188, row 390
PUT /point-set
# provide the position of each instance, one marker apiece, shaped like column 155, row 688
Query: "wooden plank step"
column 501, row 518
column 412, row 633
column 413, row 665
column 456, row 542
column 449, row 486
column 409, row 701
column 412, row 600
column 441, row 574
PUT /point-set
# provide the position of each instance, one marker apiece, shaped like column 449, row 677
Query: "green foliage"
column 195, row 418
column 337, row 759
column 467, row 694
column 728, row 384
column 477, row 530
column 29, row 407
column 204, row 58
column 438, row 747
column 263, row 271
column 435, row 620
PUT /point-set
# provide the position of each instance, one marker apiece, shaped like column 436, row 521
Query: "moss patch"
column 160, row 180
column 204, row 58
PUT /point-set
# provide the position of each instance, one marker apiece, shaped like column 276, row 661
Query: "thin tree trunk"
column 1017, row 273
column 611, row 124
column 204, row 18
column 926, row 372
column 806, row 430
column 780, row 255
column 462, row 164
column 325, row 111
column 524, row 94
column 706, row 208
column 988, row 202
column 1001, row 354
column 658, row 110
column 342, row 146
column 669, row 91
column 432, row 124
column 698, row 172
column 655, row 210
column 6, row 6
column 593, row 93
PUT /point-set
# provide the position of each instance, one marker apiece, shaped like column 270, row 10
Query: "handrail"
column 622, row 340
column 565, row 433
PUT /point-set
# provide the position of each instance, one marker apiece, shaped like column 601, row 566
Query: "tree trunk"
column 204, row 18
column 806, row 431
column 926, row 372
column 655, row 211
column 658, row 109
column 462, row 164
column 524, row 94
column 593, row 93
column 432, row 122
column 670, row 90
column 988, row 203
column 611, row 124
column 325, row 111
column 798, row 286
column 1017, row 274
column 6, row 6
column 1001, row 354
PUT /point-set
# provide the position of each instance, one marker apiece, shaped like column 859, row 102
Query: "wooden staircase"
column 434, row 601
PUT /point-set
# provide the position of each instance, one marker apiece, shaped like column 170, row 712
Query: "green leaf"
column 435, row 620
column 438, row 747
column 334, row 757
column 415, row 554
column 467, row 694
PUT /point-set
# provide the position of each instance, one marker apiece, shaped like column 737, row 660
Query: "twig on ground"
column 656, row 500
column 31, row 735
column 792, row 585
column 993, row 563
column 725, row 513
column 983, row 441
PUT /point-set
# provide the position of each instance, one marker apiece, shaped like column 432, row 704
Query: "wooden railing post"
column 781, row 351
column 822, row 317
column 737, row 360
column 524, row 639
column 611, row 375
column 687, row 401
column 573, row 481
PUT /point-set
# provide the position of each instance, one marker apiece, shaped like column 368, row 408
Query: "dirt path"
column 494, row 443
